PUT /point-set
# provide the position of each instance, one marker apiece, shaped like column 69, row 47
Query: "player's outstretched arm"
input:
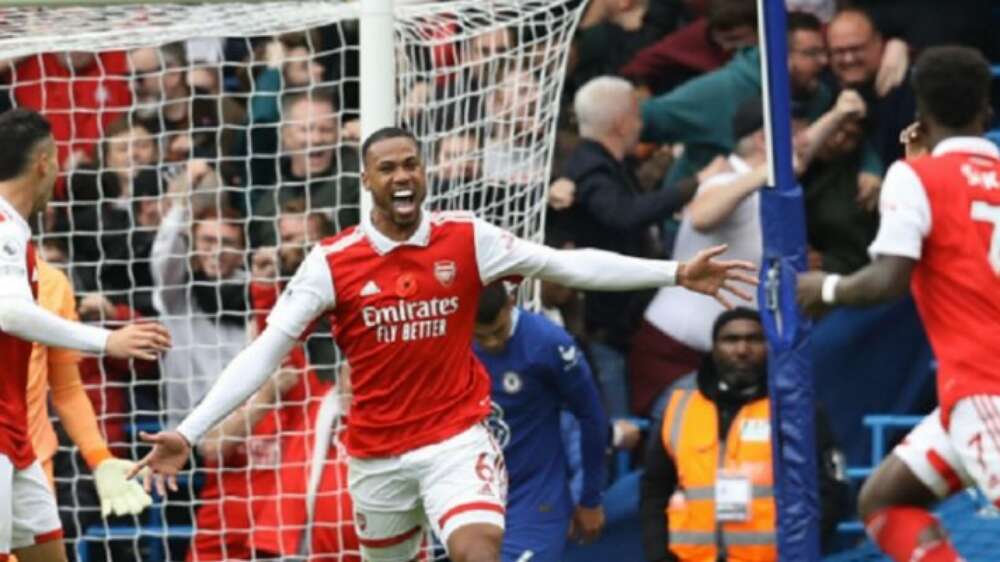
column 247, row 372
column 607, row 271
column 501, row 254
column 882, row 280
column 28, row 321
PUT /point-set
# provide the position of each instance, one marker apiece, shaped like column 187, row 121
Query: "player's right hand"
column 170, row 452
column 139, row 341
column 587, row 523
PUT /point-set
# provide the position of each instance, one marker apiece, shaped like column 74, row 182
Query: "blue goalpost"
column 790, row 366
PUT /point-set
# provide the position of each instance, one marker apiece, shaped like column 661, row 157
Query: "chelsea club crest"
column 512, row 382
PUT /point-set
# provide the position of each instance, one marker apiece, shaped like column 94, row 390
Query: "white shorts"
column 966, row 454
column 28, row 513
column 457, row 482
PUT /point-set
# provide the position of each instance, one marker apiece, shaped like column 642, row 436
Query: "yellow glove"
column 118, row 495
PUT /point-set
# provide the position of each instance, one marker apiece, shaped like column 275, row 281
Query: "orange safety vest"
column 691, row 438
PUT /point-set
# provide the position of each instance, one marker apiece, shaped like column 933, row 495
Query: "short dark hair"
column 221, row 213
column 803, row 21
column 21, row 131
column 952, row 84
column 319, row 95
column 492, row 300
column 386, row 133
column 738, row 313
column 724, row 15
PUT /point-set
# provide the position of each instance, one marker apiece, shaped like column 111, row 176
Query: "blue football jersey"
column 540, row 373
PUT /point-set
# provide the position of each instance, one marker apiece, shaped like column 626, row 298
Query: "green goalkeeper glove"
column 119, row 495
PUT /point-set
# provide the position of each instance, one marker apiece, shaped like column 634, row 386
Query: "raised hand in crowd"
column 895, row 64
column 562, row 193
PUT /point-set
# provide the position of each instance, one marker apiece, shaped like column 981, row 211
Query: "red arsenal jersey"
column 18, row 279
column 403, row 314
column 944, row 209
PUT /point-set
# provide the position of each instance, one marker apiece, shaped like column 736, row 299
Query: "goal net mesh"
column 204, row 148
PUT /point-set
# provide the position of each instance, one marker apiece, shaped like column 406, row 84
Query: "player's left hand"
column 809, row 293
column 587, row 524
column 170, row 452
column 703, row 274
column 119, row 495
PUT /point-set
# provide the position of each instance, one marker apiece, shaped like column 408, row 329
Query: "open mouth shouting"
column 404, row 201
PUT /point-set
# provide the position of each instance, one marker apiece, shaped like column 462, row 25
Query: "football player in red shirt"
column 29, row 520
column 939, row 236
column 402, row 290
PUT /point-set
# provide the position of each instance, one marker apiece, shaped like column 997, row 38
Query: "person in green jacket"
column 699, row 113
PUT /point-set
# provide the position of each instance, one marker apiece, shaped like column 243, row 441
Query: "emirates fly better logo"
column 410, row 320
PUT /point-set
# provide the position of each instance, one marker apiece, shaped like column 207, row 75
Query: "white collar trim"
column 974, row 145
column 383, row 244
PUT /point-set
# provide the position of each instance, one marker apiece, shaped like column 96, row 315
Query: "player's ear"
column 41, row 159
column 987, row 116
column 364, row 180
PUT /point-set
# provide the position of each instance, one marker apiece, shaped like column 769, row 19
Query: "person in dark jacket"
column 856, row 52
column 610, row 213
column 733, row 378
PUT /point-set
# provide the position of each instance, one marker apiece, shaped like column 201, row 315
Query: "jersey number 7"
column 990, row 213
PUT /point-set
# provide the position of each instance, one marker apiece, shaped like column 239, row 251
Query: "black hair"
column 21, row 130
column 383, row 134
column 317, row 95
column 803, row 21
column 725, row 15
column 492, row 300
column 738, row 313
column 952, row 84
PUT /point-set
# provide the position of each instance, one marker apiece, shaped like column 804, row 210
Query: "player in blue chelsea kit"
column 537, row 370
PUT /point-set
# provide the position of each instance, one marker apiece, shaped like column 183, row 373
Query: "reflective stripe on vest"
column 708, row 492
column 732, row 538
column 675, row 422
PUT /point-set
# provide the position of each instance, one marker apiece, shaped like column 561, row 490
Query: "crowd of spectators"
column 197, row 174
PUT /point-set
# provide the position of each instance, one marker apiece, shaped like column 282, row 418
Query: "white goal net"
column 204, row 148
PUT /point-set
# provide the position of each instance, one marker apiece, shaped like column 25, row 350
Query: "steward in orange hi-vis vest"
column 707, row 493
column 724, row 487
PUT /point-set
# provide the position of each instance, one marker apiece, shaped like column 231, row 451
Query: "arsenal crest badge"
column 444, row 271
